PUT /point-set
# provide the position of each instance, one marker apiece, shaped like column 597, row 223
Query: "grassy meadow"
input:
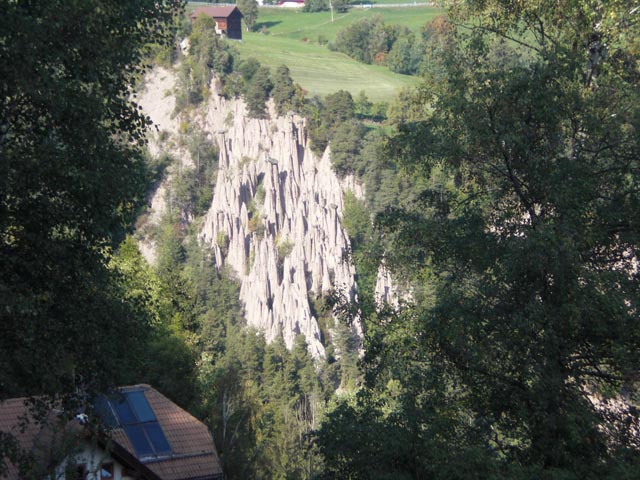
column 298, row 25
column 292, row 38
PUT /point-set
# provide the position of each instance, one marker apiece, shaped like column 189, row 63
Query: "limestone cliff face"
column 275, row 220
column 386, row 291
column 158, row 102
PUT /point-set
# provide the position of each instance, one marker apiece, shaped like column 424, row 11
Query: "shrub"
column 315, row 5
column 258, row 93
column 363, row 39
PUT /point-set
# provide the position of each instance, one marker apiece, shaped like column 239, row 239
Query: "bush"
column 345, row 147
column 315, row 5
column 363, row 39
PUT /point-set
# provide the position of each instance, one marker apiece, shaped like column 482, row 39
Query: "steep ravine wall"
column 275, row 218
column 158, row 102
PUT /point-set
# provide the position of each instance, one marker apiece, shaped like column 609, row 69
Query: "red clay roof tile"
column 193, row 454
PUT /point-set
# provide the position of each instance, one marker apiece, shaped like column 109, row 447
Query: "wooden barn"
column 228, row 20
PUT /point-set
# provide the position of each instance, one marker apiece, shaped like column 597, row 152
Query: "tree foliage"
column 249, row 9
column 72, row 174
column 167, row 359
column 522, row 250
column 315, row 5
column 209, row 55
column 283, row 90
column 346, row 144
column 328, row 117
column 192, row 188
column 406, row 55
column 258, row 93
column 364, row 39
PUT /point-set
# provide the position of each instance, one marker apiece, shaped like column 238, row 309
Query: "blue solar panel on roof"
column 158, row 440
column 141, row 407
column 138, row 440
column 124, row 411
column 138, row 420
column 104, row 411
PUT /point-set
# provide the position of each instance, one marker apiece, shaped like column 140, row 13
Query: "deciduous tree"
column 249, row 9
column 522, row 250
column 71, row 174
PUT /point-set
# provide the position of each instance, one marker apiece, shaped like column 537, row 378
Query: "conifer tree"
column 283, row 90
column 258, row 93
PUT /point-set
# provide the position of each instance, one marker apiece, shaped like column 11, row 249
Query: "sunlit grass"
column 320, row 71
column 300, row 25
column 298, row 40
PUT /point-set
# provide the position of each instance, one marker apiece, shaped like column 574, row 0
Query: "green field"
column 299, row 25
column 320, row 71
column 291, row 37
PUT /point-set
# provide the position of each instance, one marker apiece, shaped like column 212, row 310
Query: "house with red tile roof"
column 228, row 19
column 146, row 436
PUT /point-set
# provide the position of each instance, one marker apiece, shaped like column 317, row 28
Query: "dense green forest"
column 521, row 250
column 503, row 194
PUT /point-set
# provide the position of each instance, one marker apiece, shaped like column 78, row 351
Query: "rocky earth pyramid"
column 275, row 218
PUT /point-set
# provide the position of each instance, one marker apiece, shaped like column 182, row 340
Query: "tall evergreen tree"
column 258, row 93
column 283, row 90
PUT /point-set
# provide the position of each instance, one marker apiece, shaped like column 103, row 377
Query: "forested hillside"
column 442, row 286
column 517, row 355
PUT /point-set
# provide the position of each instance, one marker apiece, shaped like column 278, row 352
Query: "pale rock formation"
column 158, row 102
column 276, row 220
column 350, row 182
column 275, row 217
column 386, row 291
column 391, row 290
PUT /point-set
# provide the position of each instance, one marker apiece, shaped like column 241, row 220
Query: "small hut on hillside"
column 227, row 18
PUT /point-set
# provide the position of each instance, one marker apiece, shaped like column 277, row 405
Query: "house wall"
column 92, row 457
column 221, row 23
column 234, row 27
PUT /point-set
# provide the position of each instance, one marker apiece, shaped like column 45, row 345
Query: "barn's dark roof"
column 215, row 12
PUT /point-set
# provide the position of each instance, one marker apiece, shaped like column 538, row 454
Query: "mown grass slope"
column 300, row 25
column 292, row 38
column 320, row 71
